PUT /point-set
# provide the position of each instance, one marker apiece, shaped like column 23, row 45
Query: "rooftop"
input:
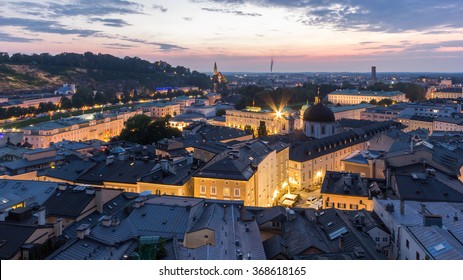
column 385, row 94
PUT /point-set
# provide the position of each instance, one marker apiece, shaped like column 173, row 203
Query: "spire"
column 317, row 97
column 215, row 68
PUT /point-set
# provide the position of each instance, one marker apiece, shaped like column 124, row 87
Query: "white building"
column 81, row 128
column 352, row 97
column 430, row 231
column 161, row 109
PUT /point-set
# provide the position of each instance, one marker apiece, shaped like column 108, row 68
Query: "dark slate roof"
column 24, row 163
column 90, row 249
column 68, row 203
column 151, row 219
column 319, row 113
column 262, row 216
column 14, row 236
column 333, row 222
column 352, row 123
column 319, row 147
column 301, row 234
column 343, row 183
column 427, row 188
column 31, row 191
column 117, row 171
column 422, row 118
column 238, row 167
column 68, row 171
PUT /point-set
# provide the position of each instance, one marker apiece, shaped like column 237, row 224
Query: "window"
column 407, row 243
column 384, row 239
column 341, row 205
column 213, row 190
column 237, row 192
column 329, row 204
column 226, row 192
column 417, row 255
column 202, row 189
column 377, row 239
column 354, row 207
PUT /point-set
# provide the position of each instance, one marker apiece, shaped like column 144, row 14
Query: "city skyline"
column 245, row 35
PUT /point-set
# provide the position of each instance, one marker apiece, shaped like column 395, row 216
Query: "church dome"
column 319, row 113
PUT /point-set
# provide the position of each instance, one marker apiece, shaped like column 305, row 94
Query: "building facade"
column 253, row 172
column 352, row 97
column 275, row 122
column 85, row 127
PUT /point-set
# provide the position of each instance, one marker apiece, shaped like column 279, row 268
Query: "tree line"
column 105, row 67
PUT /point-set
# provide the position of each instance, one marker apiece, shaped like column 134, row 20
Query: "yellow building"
column 81, row 128
column 275, row 122
column 345, row 191
column 253, row 172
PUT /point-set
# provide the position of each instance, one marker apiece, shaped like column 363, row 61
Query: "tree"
column 373, row 102
column 220, row 112
column 83, row 97
column 262, row 129
column 65, row 103
column 140, row 129
column 100, row 98
column 249, row 130
column 412, row 91
column 385, row 102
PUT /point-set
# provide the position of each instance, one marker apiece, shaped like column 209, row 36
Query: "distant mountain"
column 22, row 73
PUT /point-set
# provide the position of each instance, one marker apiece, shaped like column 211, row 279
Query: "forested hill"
column 45, row 72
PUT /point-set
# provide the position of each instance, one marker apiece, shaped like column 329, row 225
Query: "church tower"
column 215, row 68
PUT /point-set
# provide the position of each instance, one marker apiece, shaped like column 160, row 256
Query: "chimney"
column 402, row 207
column 83, row 230
column 58, row 226
column 139, row 202
column 115, row 222
column 190, row 158
column 341, row 243
column 388, row 178
column 99, row 200
column 41, row 215
column 109, row 160
column 390, row 207
column 107, row 221
column 412, row 145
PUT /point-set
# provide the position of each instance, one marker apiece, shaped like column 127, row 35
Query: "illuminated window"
column 226, row 192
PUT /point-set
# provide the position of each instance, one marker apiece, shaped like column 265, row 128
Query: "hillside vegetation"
column 45, row 72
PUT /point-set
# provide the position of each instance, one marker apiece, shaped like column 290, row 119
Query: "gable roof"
column 69, row 203
column 12, row 237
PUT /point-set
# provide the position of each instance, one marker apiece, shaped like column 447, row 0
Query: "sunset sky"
column 244, row 35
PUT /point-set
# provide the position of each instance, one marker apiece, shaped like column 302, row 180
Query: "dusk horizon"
column 245, row 35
